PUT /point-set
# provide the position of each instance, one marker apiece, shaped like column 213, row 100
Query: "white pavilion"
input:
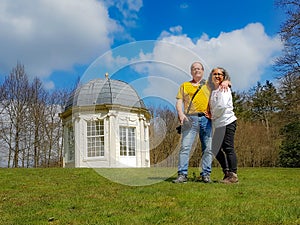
column 106, row 125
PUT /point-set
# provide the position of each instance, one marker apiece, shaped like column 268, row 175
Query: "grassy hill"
column 88, row 196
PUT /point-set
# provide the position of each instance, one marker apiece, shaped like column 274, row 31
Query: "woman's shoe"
column 232, row 178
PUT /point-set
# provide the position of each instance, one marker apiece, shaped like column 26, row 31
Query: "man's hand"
column 182, row 117
column 224, row 85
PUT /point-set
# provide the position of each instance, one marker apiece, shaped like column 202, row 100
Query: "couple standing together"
column 202, row 106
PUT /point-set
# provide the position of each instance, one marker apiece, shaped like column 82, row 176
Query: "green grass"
column 82, row 196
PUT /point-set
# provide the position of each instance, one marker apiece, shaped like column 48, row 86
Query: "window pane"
column 127, row 141
column 95, row 138
column 123, row 151
column 71, row 150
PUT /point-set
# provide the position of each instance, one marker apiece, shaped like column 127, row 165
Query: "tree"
column 163, row 137
column 289, row 153
column 14, row 102
column 241, row 106
column 289, row 62
column 288, row 68
column 37, row 116
column 53, row 128
column 264, row 103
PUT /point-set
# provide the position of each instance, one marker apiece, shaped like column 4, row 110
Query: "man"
column 193, row 116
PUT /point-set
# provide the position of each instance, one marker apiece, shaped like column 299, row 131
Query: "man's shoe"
column 206, row 179
column 180, row 179
column 233, row 178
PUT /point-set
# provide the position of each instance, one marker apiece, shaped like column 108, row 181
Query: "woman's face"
column 217, row 77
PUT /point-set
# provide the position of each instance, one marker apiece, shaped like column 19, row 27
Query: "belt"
column 196, row 114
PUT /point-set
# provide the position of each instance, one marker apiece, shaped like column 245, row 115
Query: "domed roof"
column 105, row 91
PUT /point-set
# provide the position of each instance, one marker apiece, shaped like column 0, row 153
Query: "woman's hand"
column 207, row 114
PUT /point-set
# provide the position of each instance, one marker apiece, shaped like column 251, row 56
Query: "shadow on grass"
column 137, row 176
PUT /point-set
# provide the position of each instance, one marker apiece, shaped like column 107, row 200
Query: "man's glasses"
column 196, row 68
column 218, row 74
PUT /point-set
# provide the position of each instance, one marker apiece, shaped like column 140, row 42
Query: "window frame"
column 127, row 135
column 95, row 140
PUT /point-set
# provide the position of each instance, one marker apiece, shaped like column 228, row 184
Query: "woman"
column 224, row 123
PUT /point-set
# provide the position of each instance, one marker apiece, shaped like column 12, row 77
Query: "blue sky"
column 147, row 43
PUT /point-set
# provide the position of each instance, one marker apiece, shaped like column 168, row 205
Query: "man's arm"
column 225, row 85
column 179, row 107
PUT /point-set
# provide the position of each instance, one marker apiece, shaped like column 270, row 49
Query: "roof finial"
column 106, row 75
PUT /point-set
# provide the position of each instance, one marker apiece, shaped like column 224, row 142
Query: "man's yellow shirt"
column 200, row 101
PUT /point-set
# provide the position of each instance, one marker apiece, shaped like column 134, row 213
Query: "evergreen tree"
column 289, row 150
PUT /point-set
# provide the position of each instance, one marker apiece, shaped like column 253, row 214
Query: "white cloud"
column 176, row 30
column 246, row 53
column 51, row 35
column 48, row 35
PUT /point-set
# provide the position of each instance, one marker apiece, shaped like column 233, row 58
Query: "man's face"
column 197, row 71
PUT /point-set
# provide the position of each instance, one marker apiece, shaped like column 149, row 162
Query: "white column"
column 146, row 143
column 78, row 142
column 113, row 156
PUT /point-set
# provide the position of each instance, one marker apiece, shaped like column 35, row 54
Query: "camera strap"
column 199, row 87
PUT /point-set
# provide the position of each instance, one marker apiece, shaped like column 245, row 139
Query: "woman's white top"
column 221, row 107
